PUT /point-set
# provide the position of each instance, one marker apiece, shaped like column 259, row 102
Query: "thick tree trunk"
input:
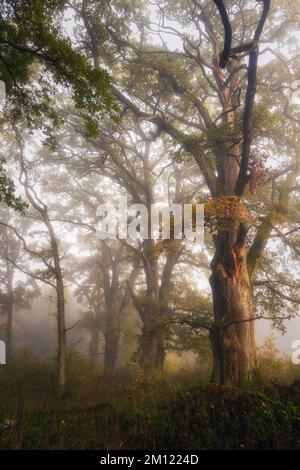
column 232, row 335
column 9, row 330
column 112, row 323
column 94, row 345
column 10, row 311
column 152, row 342
column 62, row 340
column 153, row 350
column 155, row 311
column 111, row 349
column 60, row 304
column 153, row 355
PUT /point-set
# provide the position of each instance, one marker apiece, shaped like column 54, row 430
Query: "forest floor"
column 169, row 412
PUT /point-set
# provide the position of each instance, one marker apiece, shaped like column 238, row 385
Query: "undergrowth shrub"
column 132, row 411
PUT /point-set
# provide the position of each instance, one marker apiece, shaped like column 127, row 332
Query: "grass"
column 172, row 411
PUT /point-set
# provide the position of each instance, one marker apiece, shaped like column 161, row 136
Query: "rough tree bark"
column 60, row 304
column 9, row 329
column 116, row 303
column 232, row 335
column 9, row 311
column 112, row 321
column 152, row 349
column 112, row 341
column 94, row 345
column 154, row 310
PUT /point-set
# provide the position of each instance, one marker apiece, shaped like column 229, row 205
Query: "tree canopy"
column 188, row 102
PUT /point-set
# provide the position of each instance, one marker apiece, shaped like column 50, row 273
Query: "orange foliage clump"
column 224, row 211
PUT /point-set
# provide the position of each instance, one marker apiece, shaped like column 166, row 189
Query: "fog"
column 149, row 225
